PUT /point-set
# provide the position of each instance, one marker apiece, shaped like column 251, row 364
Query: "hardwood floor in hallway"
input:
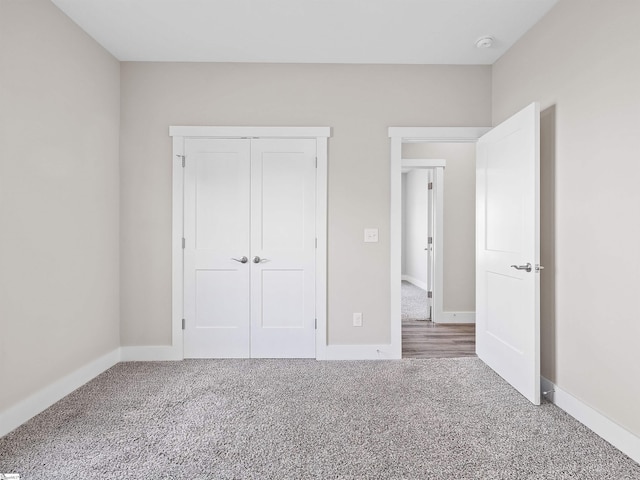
column 425, row 339
column 422, row 338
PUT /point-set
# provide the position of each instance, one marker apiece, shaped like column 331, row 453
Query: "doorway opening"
column 451, row 279
column 426, row 332
column 421, row 252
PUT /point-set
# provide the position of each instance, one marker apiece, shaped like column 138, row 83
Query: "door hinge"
column 316, row 242
column 183, row 160
column 316, row 162
column 430, row 240
column 183, row 323
column 430, row 185
column 184, row 242
column 429, row 294
column 315, row 323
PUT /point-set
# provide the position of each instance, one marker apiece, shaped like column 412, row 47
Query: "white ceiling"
column 306, row 31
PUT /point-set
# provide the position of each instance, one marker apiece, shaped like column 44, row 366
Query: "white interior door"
column 283, row 243
column 508, row 251
column 250, row 243
column 216, row 231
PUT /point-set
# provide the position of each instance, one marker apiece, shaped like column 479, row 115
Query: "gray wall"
column 359, row 102
column 582, row 62
column 59, row 127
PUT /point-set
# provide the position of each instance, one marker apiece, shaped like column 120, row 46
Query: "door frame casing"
column 180, row 134
column 398, row 136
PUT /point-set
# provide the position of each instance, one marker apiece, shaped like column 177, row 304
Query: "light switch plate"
column 357, row 319
column 370, row 235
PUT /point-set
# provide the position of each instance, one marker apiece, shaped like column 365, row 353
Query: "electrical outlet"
column 357, row 319
column 370, row 235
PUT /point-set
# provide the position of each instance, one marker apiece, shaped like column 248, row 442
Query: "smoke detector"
column 485, row 42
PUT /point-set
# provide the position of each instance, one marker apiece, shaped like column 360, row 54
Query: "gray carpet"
column 414, row 302
column 303, row 419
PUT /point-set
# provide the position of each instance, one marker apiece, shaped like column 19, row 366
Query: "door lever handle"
column 526, row 267
column 241, row 260
column 256, row 259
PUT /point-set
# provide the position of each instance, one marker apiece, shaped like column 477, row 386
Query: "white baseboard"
column 456, row 317
column 618, row 436
column 150, row 354
column 359, row 352
column 415, row 281
column 36, row 403
column 28, row 408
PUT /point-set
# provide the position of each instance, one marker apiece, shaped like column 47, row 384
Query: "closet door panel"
column 283, row 182
column 216, row 226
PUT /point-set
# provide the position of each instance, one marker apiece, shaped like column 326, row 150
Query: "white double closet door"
column 250, row 242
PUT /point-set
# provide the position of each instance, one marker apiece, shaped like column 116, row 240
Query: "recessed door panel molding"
column 282, row 303
column 220, row 179
column 505, row 192
column 504, row 294
column 249, row 253
column 210, row 312
column 283, row 197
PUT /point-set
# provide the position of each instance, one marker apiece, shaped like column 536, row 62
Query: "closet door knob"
column 256, row 259
column 241, row 260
